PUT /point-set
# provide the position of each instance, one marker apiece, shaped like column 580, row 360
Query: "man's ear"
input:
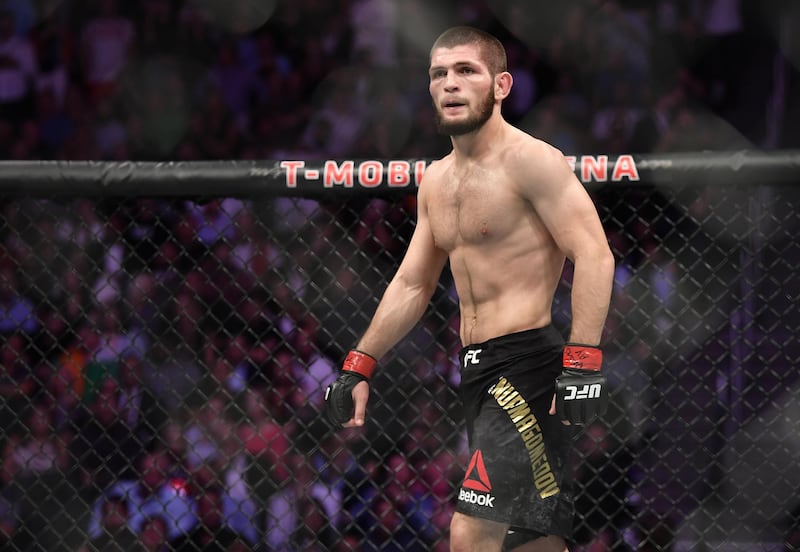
column 502, row 85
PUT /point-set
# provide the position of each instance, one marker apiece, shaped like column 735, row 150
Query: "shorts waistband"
column 535, row 339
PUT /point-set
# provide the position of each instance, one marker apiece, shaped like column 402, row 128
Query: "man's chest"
column 473, row 210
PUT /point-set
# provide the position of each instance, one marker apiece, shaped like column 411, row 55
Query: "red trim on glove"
column 360, row 363
column 583, row 357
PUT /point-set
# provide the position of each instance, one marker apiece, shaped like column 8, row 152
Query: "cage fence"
column 164, row 360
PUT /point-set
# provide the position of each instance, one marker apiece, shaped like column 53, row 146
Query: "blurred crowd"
column 183, row 79
column 163, row 371
column 164, row 362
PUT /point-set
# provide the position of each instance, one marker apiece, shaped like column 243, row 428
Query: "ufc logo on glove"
column 586, row 392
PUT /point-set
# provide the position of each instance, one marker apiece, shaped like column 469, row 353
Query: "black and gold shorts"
column 518, row 471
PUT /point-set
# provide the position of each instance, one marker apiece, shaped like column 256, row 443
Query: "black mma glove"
column 357, row 367
column 581, row 393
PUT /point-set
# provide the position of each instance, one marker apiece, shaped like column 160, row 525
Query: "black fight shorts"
column 518, row 471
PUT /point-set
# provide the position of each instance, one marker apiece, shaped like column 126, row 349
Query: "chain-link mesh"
column 164, row 363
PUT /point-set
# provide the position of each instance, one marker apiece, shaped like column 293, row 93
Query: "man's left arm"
column 569, row 214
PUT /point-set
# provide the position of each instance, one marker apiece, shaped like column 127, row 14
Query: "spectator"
column 312, row 370
column 266, row 446
column 115, row 534
column 724, row 29
column 160, row 489
column 521, row 64
column 216, row 458
column 402, row 514
column 388, row 125
column 214, row 126
column 18, row 68
column 213, row 222
column 297, row 518
column 171, row 438
column 107, row 42
column 281, row 376
column 17, row 312
column 195, row 34
column 352, row 474
column 154, row 535
column 104, row 444
column 17, row 385
column 102, row 349
column 237, row 83
column 56, row 47
column 212, row 533
column 176, row 371
column 110, row 130
column 114, row 341
column 24, row 14
column 38, row 451
column 139, row 407
column 155, row 24
column 374, row 23
column 380, row 230
column 613, row 123
column 228, row 371
column 27, row 147
column 335, row 126
column 549, row 123
column 53, row 337
column 34, row 480
column 63, row 399
column 239, row 510
column 207, row 431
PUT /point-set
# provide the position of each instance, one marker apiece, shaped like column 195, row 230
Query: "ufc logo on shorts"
column 585, row 392
column 471, row 357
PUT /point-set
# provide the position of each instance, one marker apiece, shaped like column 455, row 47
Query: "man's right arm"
column 403, row 303
column 408, row 294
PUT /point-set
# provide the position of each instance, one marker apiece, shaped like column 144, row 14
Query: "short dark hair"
column 492, row 50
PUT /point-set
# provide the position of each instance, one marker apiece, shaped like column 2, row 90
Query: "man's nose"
column 450, row 82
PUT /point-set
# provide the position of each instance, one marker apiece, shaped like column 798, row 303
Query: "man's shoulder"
column 523, row 143
column 525, row 152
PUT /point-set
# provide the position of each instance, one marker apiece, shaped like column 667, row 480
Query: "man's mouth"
column 452, row 106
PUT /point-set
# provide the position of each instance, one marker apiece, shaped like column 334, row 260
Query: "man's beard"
column 471, row 123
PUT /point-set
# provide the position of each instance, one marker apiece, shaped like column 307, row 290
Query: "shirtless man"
column 505, row 210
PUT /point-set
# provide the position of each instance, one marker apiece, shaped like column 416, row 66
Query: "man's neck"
column 475, row 144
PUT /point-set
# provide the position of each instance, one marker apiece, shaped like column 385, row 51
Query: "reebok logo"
column 471, row 497
column 477, row 469
column 477, row 479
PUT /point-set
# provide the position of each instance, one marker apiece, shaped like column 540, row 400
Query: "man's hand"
column 581, row 393
column 346, row 398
